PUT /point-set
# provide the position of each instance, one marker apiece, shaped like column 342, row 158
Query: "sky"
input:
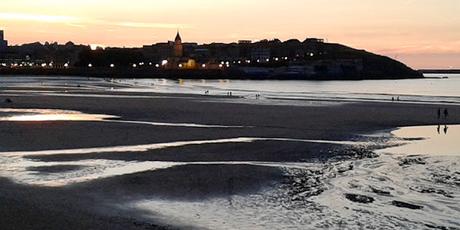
column 421, row 33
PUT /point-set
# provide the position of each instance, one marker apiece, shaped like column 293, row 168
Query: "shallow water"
column 430, row 181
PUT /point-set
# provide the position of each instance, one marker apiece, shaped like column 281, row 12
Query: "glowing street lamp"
column 134, row 65
column 112, row 65
column 89, row 65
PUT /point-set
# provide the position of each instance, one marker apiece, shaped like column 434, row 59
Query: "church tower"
column 178, row 47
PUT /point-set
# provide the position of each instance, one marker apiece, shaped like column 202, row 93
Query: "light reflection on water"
column 49, row 115
column 435, row 140
column 38, row 115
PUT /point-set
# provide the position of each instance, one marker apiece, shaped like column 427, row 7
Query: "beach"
column 160, row 152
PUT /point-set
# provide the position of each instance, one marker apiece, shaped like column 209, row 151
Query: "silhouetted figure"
column 446, row 129
column 439, row 129
column 230, row 188
column 393, row 99
column 446, row 113
column 398, row 99
column 439, row 113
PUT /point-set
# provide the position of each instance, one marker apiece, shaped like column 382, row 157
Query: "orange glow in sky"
column 422, row 33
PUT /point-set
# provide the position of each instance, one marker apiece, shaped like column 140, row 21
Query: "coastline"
column 90, row 204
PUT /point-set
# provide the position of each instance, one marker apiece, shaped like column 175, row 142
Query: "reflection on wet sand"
column 147, row 147
column 434, row 140
column 68, row 115
column 49, row 115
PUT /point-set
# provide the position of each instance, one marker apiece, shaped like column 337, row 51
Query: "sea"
column 435, row 88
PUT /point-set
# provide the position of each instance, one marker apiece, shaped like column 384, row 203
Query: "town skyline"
column 423, row 34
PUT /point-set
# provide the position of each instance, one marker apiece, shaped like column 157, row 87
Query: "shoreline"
column 151, row 72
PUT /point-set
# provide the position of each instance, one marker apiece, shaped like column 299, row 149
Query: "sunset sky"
column 421, row 33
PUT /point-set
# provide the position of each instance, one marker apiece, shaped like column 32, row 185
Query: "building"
column 261, row 54
column 244, row 42
column 3, row 42
column 178, row 46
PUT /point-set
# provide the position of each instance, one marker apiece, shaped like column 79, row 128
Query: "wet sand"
column 92, row 204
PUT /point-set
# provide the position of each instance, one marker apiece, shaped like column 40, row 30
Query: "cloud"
column 37, row 17
column 85, row 22
column 149, row 25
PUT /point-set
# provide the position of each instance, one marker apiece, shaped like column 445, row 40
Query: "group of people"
column 446, row 113
column 393, row 99
column 443, row 114
column 230, row 94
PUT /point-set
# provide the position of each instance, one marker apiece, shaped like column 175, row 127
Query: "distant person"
column 398, row 99
column 446, row 113
column 439, row 113
column 393, row 99
column 446, row 129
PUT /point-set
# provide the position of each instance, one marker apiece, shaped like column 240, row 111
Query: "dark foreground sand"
column 89, row 205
